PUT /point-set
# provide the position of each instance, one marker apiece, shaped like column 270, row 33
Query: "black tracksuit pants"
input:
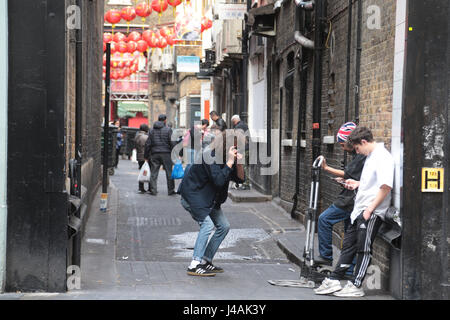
column 156, row 160
column 358, row 239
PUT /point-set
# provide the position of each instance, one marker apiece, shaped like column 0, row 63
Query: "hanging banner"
column 188, row 25
column 188, row 64
column 231, row 11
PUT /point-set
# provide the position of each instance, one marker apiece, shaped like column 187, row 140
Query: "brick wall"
column 92, row 102
column 375, row 100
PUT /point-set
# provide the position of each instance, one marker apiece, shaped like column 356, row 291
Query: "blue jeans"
column 327, row 219
column 202, row 248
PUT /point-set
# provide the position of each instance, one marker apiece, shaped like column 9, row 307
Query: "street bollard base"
column 103, row 201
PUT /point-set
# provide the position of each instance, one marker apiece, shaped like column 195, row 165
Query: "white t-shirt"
column 378, row 170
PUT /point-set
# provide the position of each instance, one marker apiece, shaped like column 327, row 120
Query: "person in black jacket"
column 158, row 150
column 203, row 190
column 221, row 124
column 343, row 205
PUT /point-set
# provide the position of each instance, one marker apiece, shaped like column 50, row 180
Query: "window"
column 289, row 91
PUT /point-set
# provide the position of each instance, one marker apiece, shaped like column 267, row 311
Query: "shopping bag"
column 144, row 174
column 178, row 171
column 134, row 156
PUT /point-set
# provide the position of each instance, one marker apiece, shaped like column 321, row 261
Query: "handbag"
column 144, row 173
column 178, row 171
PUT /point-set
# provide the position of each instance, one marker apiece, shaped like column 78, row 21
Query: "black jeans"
column 158, row 159
column 358, row 239
column 141, row 184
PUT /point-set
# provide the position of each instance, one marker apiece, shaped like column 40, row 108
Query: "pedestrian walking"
column 193, row 140
column 139, row 142
column 221, row 124
column 371, row 203
column 342, row 207
column 118, row 142
column 158, row 148
column 240, row 125
column 203, row 190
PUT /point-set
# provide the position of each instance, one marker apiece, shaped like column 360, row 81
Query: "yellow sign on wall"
column 432, row 180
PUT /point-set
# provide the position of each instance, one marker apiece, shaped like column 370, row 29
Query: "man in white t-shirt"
column 371, row 203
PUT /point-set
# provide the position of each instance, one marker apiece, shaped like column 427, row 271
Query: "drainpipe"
column 306, row 44
column 78, row 130
column 306, row 5
column 299, row 37
column 317, row 96
column 244, row 80
column 3, row 137
column 303, row 41
column 358, row 62
column 347, row 82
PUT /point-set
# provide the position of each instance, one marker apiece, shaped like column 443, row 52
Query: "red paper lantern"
column 113, row 16
column 107, row 37
column 206, row 23
column 162, row 43
column 134, row 36
column 159, row 6
column 143, row 10
column 113, row 47
column 131, row 46
column 122, row 47
column 171, row 40
column 154, row 42
column 142, row 46
column 119, row 36
column 147, row 36
column 164, row 32
column 114, row 75
column 128, row 14
column 174, row 4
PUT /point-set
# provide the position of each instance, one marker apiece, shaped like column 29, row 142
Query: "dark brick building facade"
column 285, row 60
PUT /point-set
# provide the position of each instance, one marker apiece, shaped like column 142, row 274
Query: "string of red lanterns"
column 125, row 50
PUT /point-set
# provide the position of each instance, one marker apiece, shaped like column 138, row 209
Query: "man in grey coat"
column 139, row 142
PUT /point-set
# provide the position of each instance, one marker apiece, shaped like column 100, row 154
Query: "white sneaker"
column 328, row 286
column 350, row 290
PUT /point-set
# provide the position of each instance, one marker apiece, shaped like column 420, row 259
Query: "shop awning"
column 128, row 109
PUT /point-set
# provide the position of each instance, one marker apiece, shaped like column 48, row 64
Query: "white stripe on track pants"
column 358, row 239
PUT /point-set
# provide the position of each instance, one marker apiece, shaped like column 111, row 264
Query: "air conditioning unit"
column 232, row 37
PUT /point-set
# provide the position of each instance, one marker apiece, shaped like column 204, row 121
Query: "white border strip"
column 397, row 104
column 3, row 136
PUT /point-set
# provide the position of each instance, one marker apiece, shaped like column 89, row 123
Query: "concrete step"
column 247, row 196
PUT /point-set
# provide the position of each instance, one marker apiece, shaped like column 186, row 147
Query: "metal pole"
column 76, row 249
column 3, row 137
column 317, row 98
column 106, row 129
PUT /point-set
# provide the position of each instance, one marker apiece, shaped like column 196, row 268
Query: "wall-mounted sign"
column 188, row 64
column 231, row 11
column 432, row 180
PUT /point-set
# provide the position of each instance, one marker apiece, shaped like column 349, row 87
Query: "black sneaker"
column 210, row 267
column 321, row 261
column 200, row 272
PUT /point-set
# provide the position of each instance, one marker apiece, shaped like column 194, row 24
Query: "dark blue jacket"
column 205, row 186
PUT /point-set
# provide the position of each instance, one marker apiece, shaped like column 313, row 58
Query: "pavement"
column 139, row 249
